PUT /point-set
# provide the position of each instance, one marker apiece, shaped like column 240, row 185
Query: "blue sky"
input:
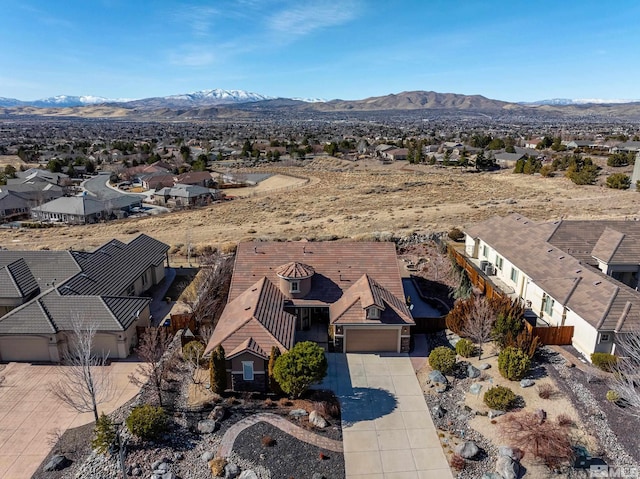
column 351, row 49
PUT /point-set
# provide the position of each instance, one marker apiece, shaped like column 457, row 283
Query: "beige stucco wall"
column 25, row 348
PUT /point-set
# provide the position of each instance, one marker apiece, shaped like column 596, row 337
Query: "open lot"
column 354, row 200
column 29, row 413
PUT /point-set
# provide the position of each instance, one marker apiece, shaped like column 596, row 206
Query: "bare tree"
column 86, row 382
column 480, row 322
column 152, row 346
column 624, row 379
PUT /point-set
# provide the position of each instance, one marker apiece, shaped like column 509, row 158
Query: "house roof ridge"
column 616, row 290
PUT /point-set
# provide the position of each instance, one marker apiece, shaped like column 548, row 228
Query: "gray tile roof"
column 600, row 300
column 47, row 267
column 73, row 205
column 17, row 281
column 110, row 269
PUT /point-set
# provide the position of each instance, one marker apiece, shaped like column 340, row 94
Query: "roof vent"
column 561, row 257
column 247, row 308
column 549, row 250
column 578, row 271
column 596, row 283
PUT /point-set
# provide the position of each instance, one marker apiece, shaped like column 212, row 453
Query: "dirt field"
column 13, row 160
column 274, row 183
column 354, row 200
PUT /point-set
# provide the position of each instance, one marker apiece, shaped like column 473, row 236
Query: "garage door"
column 371, row 340
column 24, row 349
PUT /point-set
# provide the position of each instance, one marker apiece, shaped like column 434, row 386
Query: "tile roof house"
column 85, row 209
column 569, row 273
column 41, row 293
column 186, row 195
column 347, row 294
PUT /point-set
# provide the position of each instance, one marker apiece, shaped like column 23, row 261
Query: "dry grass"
column 353, row 200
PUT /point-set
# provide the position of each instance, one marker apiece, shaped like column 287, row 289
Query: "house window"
column 499, row 262
column 548, row 305
column 247, row 370
column 295, row 286
column 514, row 275
column 604, row 337
column 144, row 279
column 485, row 251
column 373, row 313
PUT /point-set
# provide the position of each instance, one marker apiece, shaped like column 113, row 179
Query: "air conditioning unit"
column 483, row 264
column 490, row 271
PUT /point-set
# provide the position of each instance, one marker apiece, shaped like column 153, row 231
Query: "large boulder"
column 57, row 463
column 526, row 383
column 207, row 426
column 437, row 377
column 494, row 413
column 207, row 456
column 467, row 449
column 484, row 366
column 512, row 452
column 475, row 389
column 473, row 372
column 317, row 420
column 507, row 467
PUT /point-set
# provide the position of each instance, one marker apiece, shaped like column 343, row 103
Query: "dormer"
column 295, row 279
column 373, row 312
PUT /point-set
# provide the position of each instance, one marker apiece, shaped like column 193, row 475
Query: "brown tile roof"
column 295, row 270
column 256, row 314
column 337, row 265
column 365, row 293
column 599, row 299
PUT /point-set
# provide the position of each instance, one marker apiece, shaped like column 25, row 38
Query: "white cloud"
column 306, row 18
column 199, row 19
column 193, row 56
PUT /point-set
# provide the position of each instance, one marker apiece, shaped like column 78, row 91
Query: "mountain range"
column 218, row 103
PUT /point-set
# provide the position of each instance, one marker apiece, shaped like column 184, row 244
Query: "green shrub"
column 443, row 359
column 513, row 363
column 305, row 364
column 499, row 397
column 618, row 181
column 612, row 396
column 193, row 351
column 104, row 434
column 604, row 361
column 465, row 348
column 147, row 422
column 218, row 371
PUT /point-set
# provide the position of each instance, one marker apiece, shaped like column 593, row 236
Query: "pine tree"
column 274, row 387
column 218, row 371
column 104, row 434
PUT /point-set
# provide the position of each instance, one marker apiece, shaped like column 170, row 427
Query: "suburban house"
column 568, row 273
column 186, row 195
column 36, row 175
column 85, row 209
column 43, row 292
column 508, row 160
column 17, row 200
column 395, row 154
column 533, row 144
column 349, row 295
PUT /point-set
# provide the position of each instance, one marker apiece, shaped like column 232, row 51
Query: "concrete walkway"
column 387, row 429
column 229, row 438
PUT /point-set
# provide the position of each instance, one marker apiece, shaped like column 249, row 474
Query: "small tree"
column 618, row 181
column 305, row 364
column 151, row 348
column 274, row 387
column 147, row 422
column 479, row 325
column 192, row 353
column 104, row 434
column 218, row 371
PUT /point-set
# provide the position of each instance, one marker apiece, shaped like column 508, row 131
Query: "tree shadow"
column 366, row 404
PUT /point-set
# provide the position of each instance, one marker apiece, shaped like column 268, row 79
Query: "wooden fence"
column 181, row 321
column 477, row 278
column 552, row 334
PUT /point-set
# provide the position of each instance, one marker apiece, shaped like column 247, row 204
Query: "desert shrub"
column 268, row 441
column 216, row 465
column 506, row 327
column 612, row 396
column 192, row 352
column 457, row 462
column 147, row 422
column 456, row 234
column 499, row 397
column 546, row 440
column 465, row 348
column 459, row 315
column 303, row 365
column 513, row 363
column 618, row 181
column 218, row 371
column 564, row 420
column 545, row 391
column 547, row 171
column 327, row 408
column 524, row 341
column 604, row 361
column 104, row 434
column 274, row 387
column 443, row 359
column 268, row 403
column 229, row 247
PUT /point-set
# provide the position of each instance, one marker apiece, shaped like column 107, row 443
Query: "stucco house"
column 85, row 209
column 349, row 295
column 568, row 273
column 186, row 195
column 41, row 293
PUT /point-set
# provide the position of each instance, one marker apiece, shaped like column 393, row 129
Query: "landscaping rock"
column 484, row 366
column 542, row 415
column 178, row 456
column 493, row 413
column 473, row 372
column 467, row 449
column 298, row 413
column 317, row 475
column 512, row 452
column 231, row 471
column 207, row 456
column 507, row 467
column 437, row 377
column 57, row 463
column 218, row 413
column 475, row 388
column 441, row 388
column 248, row 474
column 491, row 475
column 317, row 420
column 438, row 412
column 207, row 426
column 527, row 383
column 136, row 471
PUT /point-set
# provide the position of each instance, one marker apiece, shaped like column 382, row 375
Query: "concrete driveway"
column 387, row 429
column 29, row 413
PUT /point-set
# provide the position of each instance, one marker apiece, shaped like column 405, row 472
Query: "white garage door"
column 24, row 349
column 372, row 340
